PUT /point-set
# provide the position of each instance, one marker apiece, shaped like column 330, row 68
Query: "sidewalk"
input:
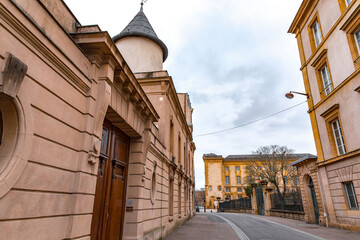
column 203, row 226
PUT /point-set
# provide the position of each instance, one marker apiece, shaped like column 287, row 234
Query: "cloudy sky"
column 235, row 59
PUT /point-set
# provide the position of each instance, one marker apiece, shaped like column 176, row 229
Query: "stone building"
column 226, row 178
column 328, row 38
column 95, row 142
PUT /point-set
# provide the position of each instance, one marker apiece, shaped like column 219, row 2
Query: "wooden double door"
column 109, row 204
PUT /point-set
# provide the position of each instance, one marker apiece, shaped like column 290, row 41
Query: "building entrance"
column 313, row 196
column 109, row 205
column 260, row 200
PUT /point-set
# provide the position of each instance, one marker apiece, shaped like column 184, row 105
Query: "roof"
column 140, row 26
column 308, row 156
column 246, row 157
column 212, row 155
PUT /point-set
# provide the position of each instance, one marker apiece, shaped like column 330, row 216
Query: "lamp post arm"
column 304, row 94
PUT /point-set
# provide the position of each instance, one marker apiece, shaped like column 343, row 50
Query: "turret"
column 140, row 46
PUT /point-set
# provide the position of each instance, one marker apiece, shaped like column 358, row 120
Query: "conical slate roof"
column 141, row 27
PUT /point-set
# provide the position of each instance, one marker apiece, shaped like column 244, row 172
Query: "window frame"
column 315, row 20
column 326, row 80
column 330, row 115
column 352, row 25
column 341, row 137
column 356, row 207
column 238, row 180
column 319, row 64
column 227, row 180
column 343, row 4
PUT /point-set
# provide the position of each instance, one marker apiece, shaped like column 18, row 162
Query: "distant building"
column 95, row 142
column 226, row 178
column 200, row 197
column 328, row 37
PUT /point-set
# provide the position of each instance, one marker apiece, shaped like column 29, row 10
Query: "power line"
column 251, row 122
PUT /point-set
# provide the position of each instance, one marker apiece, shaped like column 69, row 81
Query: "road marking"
column 287, row 227
column 237, row 230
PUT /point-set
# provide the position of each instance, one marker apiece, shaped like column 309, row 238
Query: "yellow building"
column 226, row 178
column 328, row 37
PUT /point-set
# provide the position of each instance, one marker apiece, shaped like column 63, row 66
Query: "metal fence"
column 241, row 203
column 293, row 202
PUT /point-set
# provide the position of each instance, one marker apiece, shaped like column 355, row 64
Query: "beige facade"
column 227, row 177
column 86, row 142
column 327, row 33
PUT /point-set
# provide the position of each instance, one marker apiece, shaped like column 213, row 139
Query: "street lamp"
column 290, row 94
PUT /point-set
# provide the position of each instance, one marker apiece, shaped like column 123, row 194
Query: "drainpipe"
column 322, row 199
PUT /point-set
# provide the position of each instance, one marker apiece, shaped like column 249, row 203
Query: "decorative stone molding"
column 12, row 76
column 20, row 153
column 103, row 100
column 345, row 174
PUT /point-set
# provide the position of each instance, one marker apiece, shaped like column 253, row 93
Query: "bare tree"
column 272, row 164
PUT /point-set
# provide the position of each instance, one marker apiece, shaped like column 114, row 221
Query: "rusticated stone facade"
column 89, row 149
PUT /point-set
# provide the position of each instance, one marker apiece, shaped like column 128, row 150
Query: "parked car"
column 197, row 209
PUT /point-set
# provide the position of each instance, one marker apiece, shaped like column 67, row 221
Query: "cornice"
column 302, row 15
column 172, row 94
column 49, row 55
column 107, row 52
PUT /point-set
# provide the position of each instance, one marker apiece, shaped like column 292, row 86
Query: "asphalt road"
column 234, row 226
column 260, row 229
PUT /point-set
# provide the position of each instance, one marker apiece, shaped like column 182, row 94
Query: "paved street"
column 246, row 226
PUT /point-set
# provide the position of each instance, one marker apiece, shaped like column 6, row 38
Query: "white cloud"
column 236, row 60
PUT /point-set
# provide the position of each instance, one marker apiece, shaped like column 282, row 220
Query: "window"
column 317, row 33
column 210, row 188
column 338, row 137
column 325, row 76
column 351, row 196
column 227, row 180
column 297, row 180
column 237, row 168
column 351, row 28
column 219, row 188
column 227, row 190
column 357, row 39
column 226, row 168
column 347, row 2
column 171, row 138
column 259, row 168
column 334, row 130
column 239, row 190
column 238, row 180
column 248, row 168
